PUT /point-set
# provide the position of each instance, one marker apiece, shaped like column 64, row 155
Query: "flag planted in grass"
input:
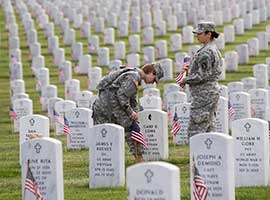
column 137, row 135
column 67, row 129
column 31, row 184
column 12, row 114
column 176, row 126
column 200, row 190
column 230, row 110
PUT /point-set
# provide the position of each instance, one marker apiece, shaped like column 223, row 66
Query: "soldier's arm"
column 203, row 72
column 134, row 103
column 127, row 89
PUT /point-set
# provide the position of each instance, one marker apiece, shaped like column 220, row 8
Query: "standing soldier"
column 204, row 72
column 116, row 102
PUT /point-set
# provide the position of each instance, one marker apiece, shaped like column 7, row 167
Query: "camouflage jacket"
column 123, row 84
column 206, row 66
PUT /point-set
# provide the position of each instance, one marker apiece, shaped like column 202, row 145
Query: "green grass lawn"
column 75, row 163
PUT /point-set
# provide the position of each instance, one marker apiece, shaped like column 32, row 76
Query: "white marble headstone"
column 45, row 159
column 161, row 49
column 260, row 72
column 94, row 77
column 60, row 107
column 231, row 60
column 153, row 180
column 248, row 83
column 154, row 126
column 211, row 158
column 107, row 156
column 243, row 54
column 176, row 42
column 71, row 88
column 251, row 152
column 21, row 107
column 222, row 120
column 259, row 102
column 181, row 113
column 79, row 122
column 119, row 50
column 148, row 35
column 85, row 63
column 253, row 46
column 240, row 102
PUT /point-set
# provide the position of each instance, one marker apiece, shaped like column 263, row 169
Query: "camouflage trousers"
column 203, row 119
column 107, row 110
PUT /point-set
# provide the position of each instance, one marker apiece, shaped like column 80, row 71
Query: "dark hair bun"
column 215, row 34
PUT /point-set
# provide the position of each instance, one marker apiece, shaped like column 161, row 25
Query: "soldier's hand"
column 134, row 116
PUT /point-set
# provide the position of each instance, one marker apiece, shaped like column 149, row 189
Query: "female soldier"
column 204, row 72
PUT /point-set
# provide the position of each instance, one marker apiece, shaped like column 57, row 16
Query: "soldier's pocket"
column 201, row 117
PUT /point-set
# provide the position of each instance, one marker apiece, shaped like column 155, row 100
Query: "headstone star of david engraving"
column 208, row 142
column 149, row 174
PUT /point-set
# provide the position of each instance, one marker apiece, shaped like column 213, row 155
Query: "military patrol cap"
column 159, row 71
column 205, row 26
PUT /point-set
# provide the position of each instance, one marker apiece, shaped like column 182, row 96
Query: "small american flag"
column 91, row 47
column 67, row 129
column 12, row 113
column 170, row 118
column 77, row 69
column 13, row 58
column 183, row 73
column 230, row 110
column 31, row 184
column 176, row 126
column 57, row 118
column 137, row 135
column 30, row 57
column 200, row 189
column 72, row 55
column 253, row 110
column 145, row 58
column 82, row 34
column 61, row 74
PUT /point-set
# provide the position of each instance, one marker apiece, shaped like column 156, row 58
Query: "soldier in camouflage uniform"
column 204, row 72
column 116, row 102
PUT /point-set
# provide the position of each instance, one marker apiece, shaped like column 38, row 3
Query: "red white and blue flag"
column 31, row 184
column 57, row 118
column 200, row 190
column 183, row 73
column 230, row 110
column 137, row 135
column 176, row 126
column 12, row 114
column 67, row 129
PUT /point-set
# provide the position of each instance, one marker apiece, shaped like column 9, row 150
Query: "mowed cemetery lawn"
column 75, row 163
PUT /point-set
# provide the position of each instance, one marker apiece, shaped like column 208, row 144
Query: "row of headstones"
column 254, row 45
column 221, row 161
column 177, row 13
column 47, row 91
column 84, row 61
column 38, row 60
